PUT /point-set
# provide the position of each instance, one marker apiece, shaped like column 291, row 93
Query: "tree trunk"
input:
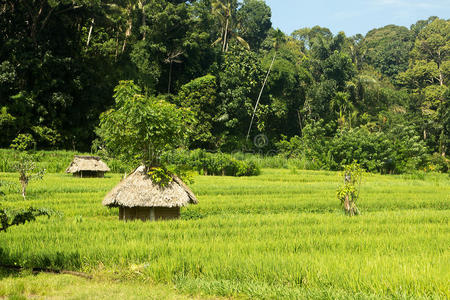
column 90, row 32
column 144, row 19
column 347, row 206
column 170, row 77
column 225, row 36
column 24, row 183
column 33, row 30
column 127, row 33
column 117, row 47
column 299, row 115
column 442, row 142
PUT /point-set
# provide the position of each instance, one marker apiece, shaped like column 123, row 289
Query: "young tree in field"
column 348, row 193
column 140, row 128
column 26, row 168
column 25, row 165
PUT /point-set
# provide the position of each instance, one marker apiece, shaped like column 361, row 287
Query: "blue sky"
column 352, row 16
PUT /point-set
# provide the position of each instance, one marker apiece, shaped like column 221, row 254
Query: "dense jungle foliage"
column 382, row 98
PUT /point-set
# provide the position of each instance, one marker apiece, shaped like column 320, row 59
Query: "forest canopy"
column 332, row 97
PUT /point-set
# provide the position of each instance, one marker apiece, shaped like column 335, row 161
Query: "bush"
column 215, row 164
column 438, row 163
column 397, row 151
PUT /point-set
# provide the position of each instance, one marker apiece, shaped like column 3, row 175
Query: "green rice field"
column 280, row 235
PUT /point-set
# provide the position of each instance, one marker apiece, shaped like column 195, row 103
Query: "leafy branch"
column 9, row 217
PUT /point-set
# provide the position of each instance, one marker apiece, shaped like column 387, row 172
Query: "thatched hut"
column 138, row 197
column 87, row 166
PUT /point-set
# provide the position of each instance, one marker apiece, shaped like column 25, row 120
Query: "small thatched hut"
column 87, row 166
column 139, row 198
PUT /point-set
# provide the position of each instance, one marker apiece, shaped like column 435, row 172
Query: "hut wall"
column 121, row 213
column 166, row 213
column 148, row 213
column 89, row 174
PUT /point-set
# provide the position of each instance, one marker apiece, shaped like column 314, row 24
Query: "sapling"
column 25, row 165
column 348, row 193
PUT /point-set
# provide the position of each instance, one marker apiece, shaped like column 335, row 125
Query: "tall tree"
column 387, row 49
column 428, row 78
column 254, row 22
column 225, row 13
column 278, row 38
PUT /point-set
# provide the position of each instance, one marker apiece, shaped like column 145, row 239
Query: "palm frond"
column 242, row 42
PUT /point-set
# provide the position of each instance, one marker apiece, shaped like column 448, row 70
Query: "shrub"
column 438, row 163
column 215, row 164
column 397, row 151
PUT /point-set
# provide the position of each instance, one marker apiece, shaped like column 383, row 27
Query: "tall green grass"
column 55, row 161
column 279, row 235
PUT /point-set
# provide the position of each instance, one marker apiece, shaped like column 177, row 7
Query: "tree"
column 140, row 128
column 25, row 165
column 312, row 37
column 238, row 84
column 427, row 77
column 346, row 110
column 388, row 48
column 9, row 218
column 279, row 110
column 200, row 96
column 433, row 44
column 254, row 22
column 224, row 11
column 348, row 193
column 49, row 77
column 278, row 38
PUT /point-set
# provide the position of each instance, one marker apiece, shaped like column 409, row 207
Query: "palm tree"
column 278, row 38
column 223, row 12
column 172, row 57
column 341, row 101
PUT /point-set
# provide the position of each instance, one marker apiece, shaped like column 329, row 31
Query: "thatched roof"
column 138, row 190
column 87, row 163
